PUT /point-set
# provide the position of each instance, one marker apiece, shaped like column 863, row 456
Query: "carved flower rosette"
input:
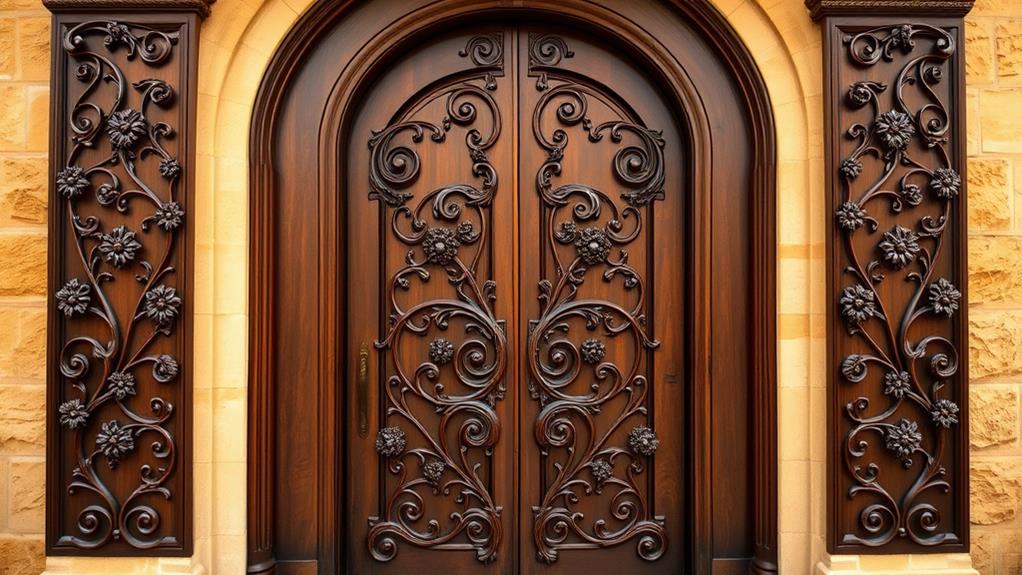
column 898, row 300
column 118, row 296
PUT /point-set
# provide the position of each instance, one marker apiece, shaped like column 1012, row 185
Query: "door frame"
column 760, row 325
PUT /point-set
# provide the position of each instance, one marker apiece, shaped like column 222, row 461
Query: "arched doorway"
column 512, row 293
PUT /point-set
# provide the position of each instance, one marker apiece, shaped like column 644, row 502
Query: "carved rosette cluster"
column 893, row 228
column 119, row 302
column 460, row 376
column 597, row 442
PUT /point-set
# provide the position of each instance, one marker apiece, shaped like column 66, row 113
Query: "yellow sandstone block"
column 989, row 195
column 995, row 488
column 12, row 117
column 995, row 8
column 993, row 415
column 8, row 52
column 1009, row 51
column 38, row 138
column 23, row 261
column 995, row 270
column 34, row 49
column 979, row 53
column 981, row 549
column 999, row 124
column 28, row 495
column 22, row 419
column 22, row 5
column 22, row 555
column 23, row 344
column 23, row 189
column 995, row 343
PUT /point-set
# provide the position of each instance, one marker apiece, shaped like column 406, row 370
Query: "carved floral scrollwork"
column 461, row 374
column 580, row 434
column 907, row 139
column 109, row 205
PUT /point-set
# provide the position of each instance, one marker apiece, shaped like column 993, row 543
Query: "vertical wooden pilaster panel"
column 120, row 252
column 898, row 377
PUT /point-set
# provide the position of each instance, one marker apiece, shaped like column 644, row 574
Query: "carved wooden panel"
column 898, row 373
column 118, row 451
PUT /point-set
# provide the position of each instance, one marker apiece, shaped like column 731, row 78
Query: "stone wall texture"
column 994, row 69
column 994, row 85
column 24, row 119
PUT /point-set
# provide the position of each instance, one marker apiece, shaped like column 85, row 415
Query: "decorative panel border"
column 897, row 325
column 120, row 250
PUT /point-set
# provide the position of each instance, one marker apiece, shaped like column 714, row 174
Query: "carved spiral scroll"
column 905, row 413
column 461, row 377
column 575, row 431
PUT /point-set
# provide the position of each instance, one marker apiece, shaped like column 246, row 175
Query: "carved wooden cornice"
column 952, row 8
column 200, row 7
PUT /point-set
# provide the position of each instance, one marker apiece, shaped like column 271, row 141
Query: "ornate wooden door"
column 517, row 242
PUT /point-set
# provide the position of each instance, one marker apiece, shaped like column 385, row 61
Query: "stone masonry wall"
column 994, row 69
column 24, row 112
column 994, row 80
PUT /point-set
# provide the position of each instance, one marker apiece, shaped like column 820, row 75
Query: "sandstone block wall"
column 994, row 76
column 24, row 139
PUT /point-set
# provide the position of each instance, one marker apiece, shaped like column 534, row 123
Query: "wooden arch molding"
column 327, row 21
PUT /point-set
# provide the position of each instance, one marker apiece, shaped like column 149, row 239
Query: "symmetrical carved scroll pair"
column 462, row 375
column 117, row 299
column 898, row 301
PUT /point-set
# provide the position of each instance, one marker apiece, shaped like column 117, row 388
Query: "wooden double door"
column 517, row 252
column 512, row 293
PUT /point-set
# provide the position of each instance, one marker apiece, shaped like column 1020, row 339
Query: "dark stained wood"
column 317, row 303
column 930, row 8
column 119, row 369
column 200, row 7
column 898, row 370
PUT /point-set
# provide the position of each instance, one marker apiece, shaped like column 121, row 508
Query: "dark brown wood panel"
column 118, row 418
column 331, row 241
column 898, row 377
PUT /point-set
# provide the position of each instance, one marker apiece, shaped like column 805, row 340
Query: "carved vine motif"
column 129, row 248
column 579, row 434
column 461, row 372
column 908, row 138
